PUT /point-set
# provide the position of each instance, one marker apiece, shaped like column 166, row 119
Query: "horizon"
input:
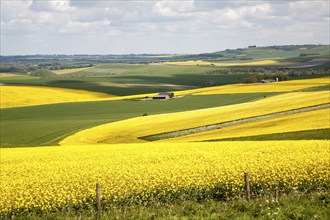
column 157, row 54
column 45, row 27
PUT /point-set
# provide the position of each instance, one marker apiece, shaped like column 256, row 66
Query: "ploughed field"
column 57, row 143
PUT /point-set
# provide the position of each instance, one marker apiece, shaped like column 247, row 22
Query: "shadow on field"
column 112, row 84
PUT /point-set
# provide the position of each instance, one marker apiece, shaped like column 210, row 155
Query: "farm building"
column 164, row 95
column 267, row 81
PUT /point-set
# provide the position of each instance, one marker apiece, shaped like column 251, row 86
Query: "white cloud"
column 200, row 25
column 233, row 14
column 309, row 10
column 173, row 8
column 51, row 6
column 85, row 27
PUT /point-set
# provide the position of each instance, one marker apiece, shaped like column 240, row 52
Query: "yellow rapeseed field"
column 284, row 86
column 128, row 131
column 17, row 96
column 48, row 178
column 5, row 75
column 207, row 63
column 67, row 71
column 14, row 96
column 317, row 119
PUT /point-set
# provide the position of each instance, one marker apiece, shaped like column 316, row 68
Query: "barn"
column 267, row 81
column 164, row 95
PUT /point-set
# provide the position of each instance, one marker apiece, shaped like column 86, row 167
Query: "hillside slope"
column 131, row 130
column 304, row 121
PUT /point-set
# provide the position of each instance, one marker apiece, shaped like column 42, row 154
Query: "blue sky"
column 191, row 26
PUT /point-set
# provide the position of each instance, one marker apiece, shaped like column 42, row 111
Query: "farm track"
column 184, row 132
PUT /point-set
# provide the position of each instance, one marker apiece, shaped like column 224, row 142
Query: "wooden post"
column 276, row 194
column 98, row 200
column 247, row 186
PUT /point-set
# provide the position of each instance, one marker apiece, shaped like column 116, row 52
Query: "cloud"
column 51, row 6
column 159, row 26
column 173, row 8
column 85, row 27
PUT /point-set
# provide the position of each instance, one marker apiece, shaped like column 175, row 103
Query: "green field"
column 127, row 79
column 140, row 79
column 31, row 128
column 277, row 52
column 48, row 124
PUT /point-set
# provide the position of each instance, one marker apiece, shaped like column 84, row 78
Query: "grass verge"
column 296, row 205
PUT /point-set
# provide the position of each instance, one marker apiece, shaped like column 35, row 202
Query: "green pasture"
column 129, row 79
column 48, row 124
column 126, row 79
column 118, row 85
column 276, row 52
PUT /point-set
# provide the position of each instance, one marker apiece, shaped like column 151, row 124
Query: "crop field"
column 61, row 134
column 207, row 63
column 13, row 76
column 48, row 178
column 129, row 131
column 125, row 79
column 306, row 121
column 17, row 96
column 285, row 86
column 4, row 75
column 51, row 123
column 68, row 71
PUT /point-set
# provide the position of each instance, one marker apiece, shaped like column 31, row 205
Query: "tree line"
column 257, row 74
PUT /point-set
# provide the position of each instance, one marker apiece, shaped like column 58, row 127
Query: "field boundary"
column 322, row 134
column 205, row 128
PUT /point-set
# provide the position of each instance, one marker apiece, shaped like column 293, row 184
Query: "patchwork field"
column 60, row 136
column 129, row 131
column 126, row 79
column 17, row 96
column 51, row 123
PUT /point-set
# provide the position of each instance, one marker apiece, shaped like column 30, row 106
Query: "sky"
column 158, row 27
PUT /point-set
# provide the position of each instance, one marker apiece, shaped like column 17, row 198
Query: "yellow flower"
column 54, row 177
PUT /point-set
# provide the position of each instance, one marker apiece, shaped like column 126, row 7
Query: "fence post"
column 98, row 200
column 276, row 194
column 247, row 186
